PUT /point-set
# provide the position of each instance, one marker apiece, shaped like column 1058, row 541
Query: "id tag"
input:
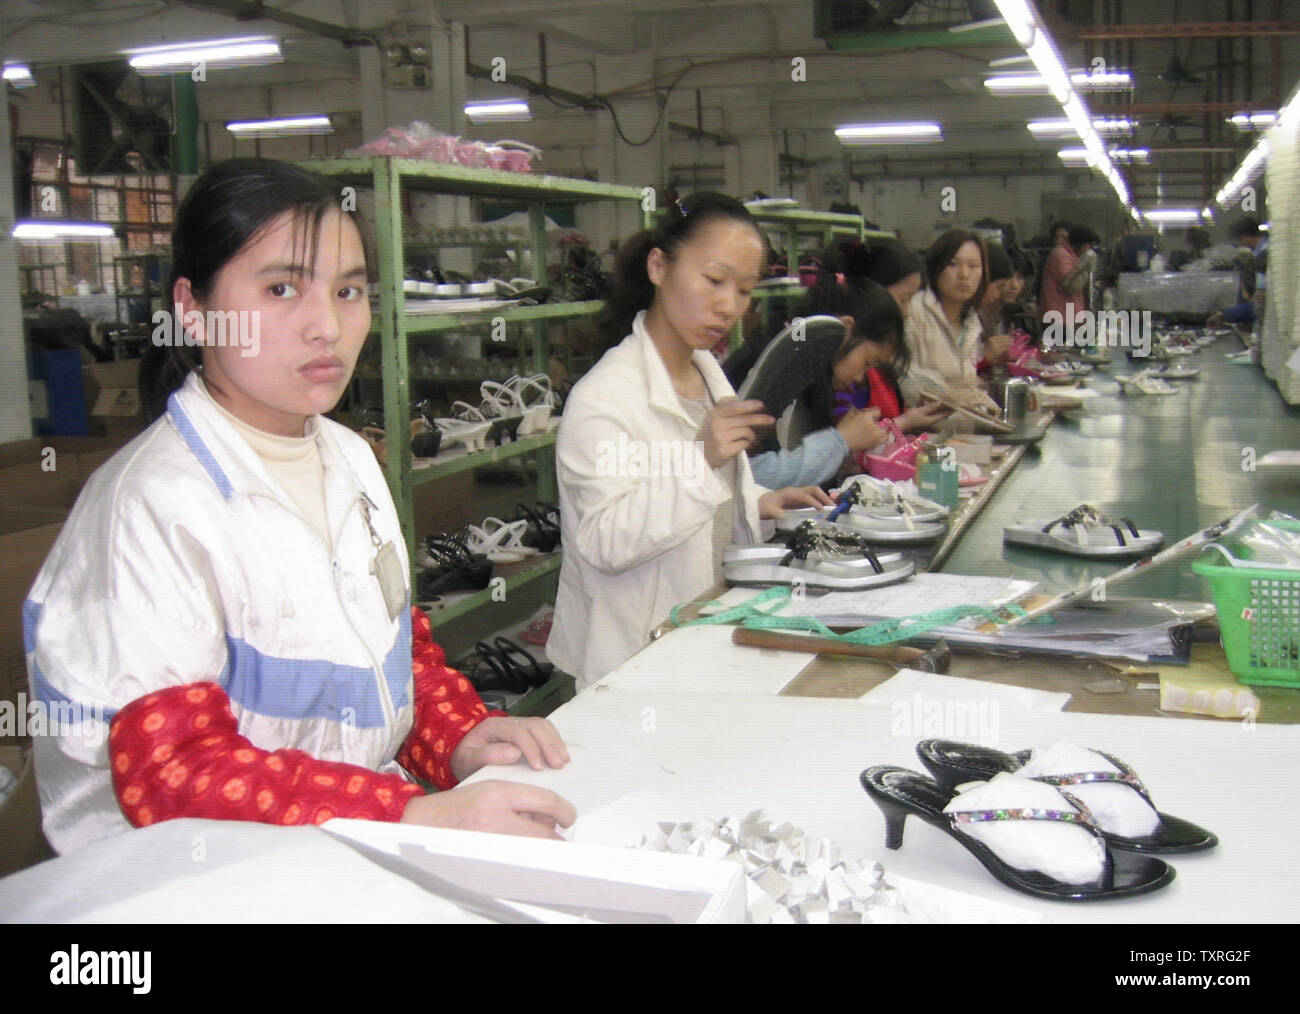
column 387, row 569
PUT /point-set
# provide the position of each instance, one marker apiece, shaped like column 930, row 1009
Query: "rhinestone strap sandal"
column 954, row 764
column 1085, row 531
column 901, row 793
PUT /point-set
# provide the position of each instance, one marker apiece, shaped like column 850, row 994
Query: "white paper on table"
column 625, row 821
column 703, row 660
column 949, row 707
column 921, row 593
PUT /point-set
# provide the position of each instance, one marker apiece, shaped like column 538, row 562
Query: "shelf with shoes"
column 391, row 180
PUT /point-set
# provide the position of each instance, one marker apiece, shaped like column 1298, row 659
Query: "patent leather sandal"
column 543, row 532
column 486, row 671
column 901, row 793
column 451, row 568
column 954, row 764
column 522, row 664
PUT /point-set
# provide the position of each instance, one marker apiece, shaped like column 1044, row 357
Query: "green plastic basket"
column 1259, row 617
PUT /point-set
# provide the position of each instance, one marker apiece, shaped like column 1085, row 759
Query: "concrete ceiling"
column 725, row 66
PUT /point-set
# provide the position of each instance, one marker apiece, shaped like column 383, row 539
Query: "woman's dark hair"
column 1080, row 234
column 226, row 208
column 876, row 318
column 1000, row 265
column 680, row 222
column 884, row 263
column 941, row 253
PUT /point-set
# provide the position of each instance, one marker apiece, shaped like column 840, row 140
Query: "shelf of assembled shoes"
column 458, row 461
column 526, row 573
column 428, row 323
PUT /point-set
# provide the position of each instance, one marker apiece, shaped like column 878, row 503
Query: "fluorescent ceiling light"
column 1020, row 18
column 888, row 133
column 51, row 230
column 1114, row 126
column 1126, row 156
column 244, row 52
column 1253, row 121
column 975, row 26
column 1111, row 80
column 1172, row 215
column 1008, row 61
column 499, row 111
column 1077, row 156
column 19, row 75
column 284, row 127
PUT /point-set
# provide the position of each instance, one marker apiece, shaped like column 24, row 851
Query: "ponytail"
column 633, row 290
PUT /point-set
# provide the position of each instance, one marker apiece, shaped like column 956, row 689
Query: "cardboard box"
column 113, row 392
column 554, row 881
column 35, row 504
column 22, row 844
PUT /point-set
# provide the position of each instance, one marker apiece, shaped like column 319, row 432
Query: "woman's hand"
column 997, row 347
column 499, row 807
column 922, row 416
column 776, row 502
column 500, row 740
column 729, row 429
column 860, row 429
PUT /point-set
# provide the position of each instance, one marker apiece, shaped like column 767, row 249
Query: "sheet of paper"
column 914, row 689
column 921, row 593
column 692, row 659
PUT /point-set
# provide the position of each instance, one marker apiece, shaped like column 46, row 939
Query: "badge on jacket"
column 387, row 568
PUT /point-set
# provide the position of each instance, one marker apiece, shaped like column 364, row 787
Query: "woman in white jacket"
column 650, row 462
column 224, row 624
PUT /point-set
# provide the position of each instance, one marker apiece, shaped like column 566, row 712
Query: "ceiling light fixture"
column 284, row 127
column 498, row 111
column 889, row 133
column 182, row 58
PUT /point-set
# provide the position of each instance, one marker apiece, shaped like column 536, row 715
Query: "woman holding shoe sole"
column 650, row 461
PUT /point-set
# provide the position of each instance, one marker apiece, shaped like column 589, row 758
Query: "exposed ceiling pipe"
column 254, row 10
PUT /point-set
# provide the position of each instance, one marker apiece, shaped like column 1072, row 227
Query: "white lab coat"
column 185, row 561
column 637, row 503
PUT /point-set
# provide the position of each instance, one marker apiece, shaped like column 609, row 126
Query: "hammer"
column 934, row 659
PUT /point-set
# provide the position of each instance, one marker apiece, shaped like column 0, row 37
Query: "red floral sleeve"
column 446, row 707
column 178, row 753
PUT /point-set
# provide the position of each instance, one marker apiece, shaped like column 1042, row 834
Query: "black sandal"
column 900, row 793
column 456, row 569
column 954, row 763
column 486, row 671
column 543, row 533
column 519, row 660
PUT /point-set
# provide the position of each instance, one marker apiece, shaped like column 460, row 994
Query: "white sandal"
column 499, row 541
column 1145, row 383
column 1085, row 531
column 815, row 558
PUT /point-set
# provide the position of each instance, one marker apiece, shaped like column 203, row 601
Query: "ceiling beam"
column 1188, row 29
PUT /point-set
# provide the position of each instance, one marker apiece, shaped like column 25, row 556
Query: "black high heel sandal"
column 901, row 793
column 953, row 763
column 485, row 670
column 456, row 569
column 543, row 532
column 519, row 660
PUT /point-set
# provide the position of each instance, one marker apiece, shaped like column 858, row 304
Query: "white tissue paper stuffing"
column 1117, row 808
column 1064, row 851
column 790, row 877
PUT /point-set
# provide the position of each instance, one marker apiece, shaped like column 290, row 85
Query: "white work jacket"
column 185, row 561
column 637, row 503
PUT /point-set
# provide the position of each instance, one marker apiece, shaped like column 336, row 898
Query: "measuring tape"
column 884, row 632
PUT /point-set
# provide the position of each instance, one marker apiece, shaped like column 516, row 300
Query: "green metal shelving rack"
column 793, row 223
column 388, row 177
